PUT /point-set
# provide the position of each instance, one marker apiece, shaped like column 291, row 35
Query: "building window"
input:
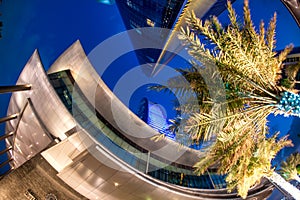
column 132, row 5
column 150, row 22
column 129, row 3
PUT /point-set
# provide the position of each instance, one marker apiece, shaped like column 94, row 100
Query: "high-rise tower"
column 166, row 14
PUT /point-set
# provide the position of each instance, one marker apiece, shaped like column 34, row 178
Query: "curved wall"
column 83, row 177
column 41, row 113
column 91, row 158
column 115, row 112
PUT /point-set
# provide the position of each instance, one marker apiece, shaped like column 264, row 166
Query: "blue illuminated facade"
column 155, row 116
column 107, row 2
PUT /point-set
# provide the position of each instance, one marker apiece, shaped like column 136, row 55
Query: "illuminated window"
column 150, row 22
column 132, row 5
column 129, row 3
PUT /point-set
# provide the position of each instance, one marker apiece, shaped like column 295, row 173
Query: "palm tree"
column 290, row 169
column 236, row 75
column 291, row 73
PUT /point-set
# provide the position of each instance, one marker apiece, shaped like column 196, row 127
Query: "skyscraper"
column 168, row 15
column 155, row 116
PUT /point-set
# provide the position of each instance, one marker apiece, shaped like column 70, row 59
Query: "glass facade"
column 155, row 116
column 158, row 13
column 137, row 14
column 216, row 9
column 129, row 152
column 63, row 83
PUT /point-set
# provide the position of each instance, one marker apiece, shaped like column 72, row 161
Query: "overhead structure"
column 294, row 7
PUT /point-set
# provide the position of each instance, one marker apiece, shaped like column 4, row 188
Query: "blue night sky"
column 52, row 26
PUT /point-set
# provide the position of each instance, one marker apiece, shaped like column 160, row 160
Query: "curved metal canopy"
column 294, row 7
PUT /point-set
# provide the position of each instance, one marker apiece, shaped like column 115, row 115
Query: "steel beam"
column 6, row 162
column 10, row 117
column 5, row 150
column 6, row 135
column 14, row 88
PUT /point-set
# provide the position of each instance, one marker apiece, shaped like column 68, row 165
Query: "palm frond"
column 235, row 74
column 289, row 167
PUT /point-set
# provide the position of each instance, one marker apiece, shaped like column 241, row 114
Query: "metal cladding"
column 38, row 114
column 114, row 111
column 96, row 153
column 294, row 7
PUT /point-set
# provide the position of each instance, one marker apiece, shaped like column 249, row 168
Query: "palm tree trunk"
column 283, row 184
